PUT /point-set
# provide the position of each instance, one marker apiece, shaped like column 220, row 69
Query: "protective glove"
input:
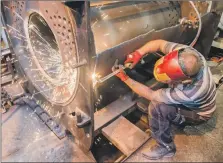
column 132, row 59
column 122, row 75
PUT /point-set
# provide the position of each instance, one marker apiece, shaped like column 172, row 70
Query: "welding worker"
column 189, row 99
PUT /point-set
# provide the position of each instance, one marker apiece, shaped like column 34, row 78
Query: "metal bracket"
column 80, row 64
column 189, row 23
column 82, row 119
column 6, row 101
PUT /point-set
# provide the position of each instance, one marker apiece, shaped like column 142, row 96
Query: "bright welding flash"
column 93, row 76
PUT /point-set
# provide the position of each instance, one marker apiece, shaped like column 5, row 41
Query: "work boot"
column 160, row 150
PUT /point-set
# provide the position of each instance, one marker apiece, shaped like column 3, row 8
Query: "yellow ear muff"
column 162, row 77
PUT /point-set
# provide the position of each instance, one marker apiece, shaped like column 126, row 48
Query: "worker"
column 190, row 97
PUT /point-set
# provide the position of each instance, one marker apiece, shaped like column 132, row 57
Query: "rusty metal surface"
column 58, row 99
column 188, row 11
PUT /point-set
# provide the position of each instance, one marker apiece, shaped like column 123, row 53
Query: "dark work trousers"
column 162, row 115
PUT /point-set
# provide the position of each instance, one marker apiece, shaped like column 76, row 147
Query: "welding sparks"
column 106, row 34
column 105, row 44
column 13, row 28
column 95, row 77
column 17, row 37
column 15, row 13
column 105, row 16
column 83, row 87
column 94, row 23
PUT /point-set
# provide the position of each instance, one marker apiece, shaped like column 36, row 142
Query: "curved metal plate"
column 116, row 23
column 72, row 40
column 61, row 90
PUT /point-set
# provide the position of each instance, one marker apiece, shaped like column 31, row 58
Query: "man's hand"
column 137, row 87
column 122, row 75
column 133, row 59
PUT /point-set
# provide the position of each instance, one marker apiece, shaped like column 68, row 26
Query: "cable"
column 200, row 24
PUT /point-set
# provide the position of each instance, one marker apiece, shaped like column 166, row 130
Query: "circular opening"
column 44, row 45
column 47, row 62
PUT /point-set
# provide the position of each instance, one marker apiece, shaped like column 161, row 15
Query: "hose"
column 200, row 24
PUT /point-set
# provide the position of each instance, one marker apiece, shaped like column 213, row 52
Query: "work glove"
column 132, row 59
column 122, row 75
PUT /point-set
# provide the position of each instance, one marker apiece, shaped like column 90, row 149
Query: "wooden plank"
column 112, row 111
column 125, row 135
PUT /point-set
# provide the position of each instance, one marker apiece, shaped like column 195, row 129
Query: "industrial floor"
column 25, row 138
column 202, row 143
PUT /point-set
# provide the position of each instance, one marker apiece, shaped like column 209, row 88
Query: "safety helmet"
column 170, row 68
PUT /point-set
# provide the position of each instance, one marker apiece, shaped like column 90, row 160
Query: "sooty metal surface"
column 115, row 23
column 46, row 38
column 45, row 43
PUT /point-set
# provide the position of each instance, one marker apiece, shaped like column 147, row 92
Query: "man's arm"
column 153, row 46
column 140, row 89
column 150, row 47
column 167, row 95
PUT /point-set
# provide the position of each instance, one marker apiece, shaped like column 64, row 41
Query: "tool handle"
column 110, row 75
column 129, row 65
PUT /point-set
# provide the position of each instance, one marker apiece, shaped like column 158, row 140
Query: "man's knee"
column 162, row 109
column 154, row 108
